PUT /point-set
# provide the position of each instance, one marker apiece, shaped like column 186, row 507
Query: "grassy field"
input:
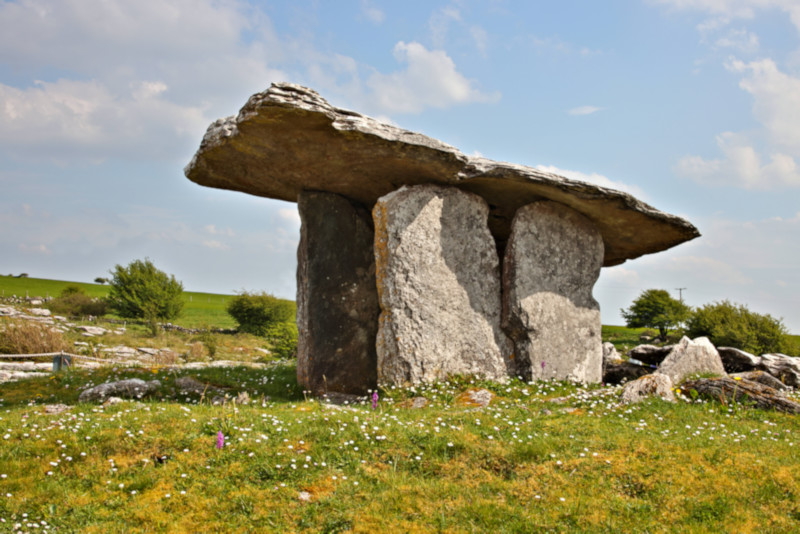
column 200, row 309
column 543, row 457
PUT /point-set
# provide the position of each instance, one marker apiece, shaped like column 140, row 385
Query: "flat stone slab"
column 288, row 139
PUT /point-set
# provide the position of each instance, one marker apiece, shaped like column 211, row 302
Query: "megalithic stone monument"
column 444, row 225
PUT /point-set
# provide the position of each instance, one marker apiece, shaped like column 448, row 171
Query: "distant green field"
column 200, row 310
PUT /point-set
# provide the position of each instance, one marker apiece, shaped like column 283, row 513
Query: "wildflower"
column 374, row 400
column 220, row 439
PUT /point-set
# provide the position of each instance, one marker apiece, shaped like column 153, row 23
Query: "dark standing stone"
column 337, row 299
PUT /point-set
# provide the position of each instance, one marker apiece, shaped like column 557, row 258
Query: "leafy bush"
column 74, row 302
column 257, row 313
column 27, row 337
column 282, row 338
column 655, row 308
column 140, row 291
column 733, row 325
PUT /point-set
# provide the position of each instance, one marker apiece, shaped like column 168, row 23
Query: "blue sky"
column 691, row 105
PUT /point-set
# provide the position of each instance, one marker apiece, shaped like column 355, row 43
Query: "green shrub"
column 257, row 313
column 75, row 303
column 733, row 325
column 282, row 338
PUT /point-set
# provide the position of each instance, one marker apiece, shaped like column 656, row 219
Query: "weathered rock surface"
column 737, row 361
column 655, row 384
column 337, row 299
column 133, row 388
column 745, row 391
column 650, row 354
column 618, row 372
column 762, row 378
column 690, row 357
column 288, row 139
column 438, row 280
column 784, row 368
column 552, row 261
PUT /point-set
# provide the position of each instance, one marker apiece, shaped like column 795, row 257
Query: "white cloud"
column 723, row 11
column 68, row 115
column 215, row 244
column 34, row 249
column 776, row 105
column 741, row 167
column 584, row 110
column 776, row 100
column 594, row 178
column 373, row 14
column 141, row 78
column 439, row 24
column 741, row 40
column 429, row 80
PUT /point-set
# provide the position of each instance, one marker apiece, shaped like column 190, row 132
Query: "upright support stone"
column 438, row 281
column 337, row 300
column 552, row 260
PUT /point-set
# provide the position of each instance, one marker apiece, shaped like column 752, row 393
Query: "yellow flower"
column 737, row 377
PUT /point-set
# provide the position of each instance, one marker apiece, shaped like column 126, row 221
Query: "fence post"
column 60, row 360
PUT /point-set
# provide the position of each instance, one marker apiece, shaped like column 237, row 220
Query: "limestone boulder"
column 133, row 388
column 552, row 261
column 288, row 139
column 737, row 360
column 438, row 280
column 337, row 297
column 690, row 357
column 784, row 368
column 652, row 385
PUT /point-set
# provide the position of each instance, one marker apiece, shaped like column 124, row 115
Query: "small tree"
column 140, row 291
column 100, row 280
column 655, row 308
column 256, row 313
column 733, row 325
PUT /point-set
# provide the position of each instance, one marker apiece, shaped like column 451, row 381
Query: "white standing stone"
column 438, row 280
column 552, row 261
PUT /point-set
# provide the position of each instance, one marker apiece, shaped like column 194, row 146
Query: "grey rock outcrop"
column 133, row 388
column 337, row 297
column 552, row 261
column 289, row 139
column 438, row 281
column 655, row 384
column 784, row 368
column 690, row 357
column 737, row 360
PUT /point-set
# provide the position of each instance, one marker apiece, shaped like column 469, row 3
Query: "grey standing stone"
column 438, row 281
column 337, row 300
column 552, row 261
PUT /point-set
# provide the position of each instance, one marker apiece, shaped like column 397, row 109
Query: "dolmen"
column 417, row 262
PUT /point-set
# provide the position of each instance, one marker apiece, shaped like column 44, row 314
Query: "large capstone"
column 552, row 261
column 289, row 139
column 438, row 281
column 337, row 300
